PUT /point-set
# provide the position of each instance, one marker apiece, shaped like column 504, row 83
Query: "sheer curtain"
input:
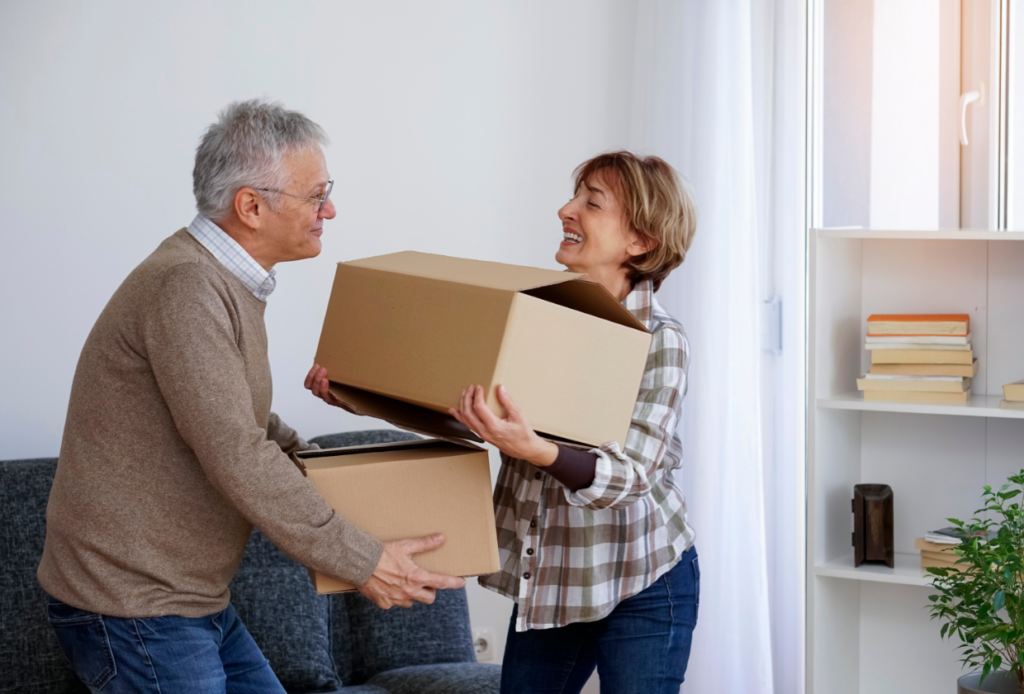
column 718, row 93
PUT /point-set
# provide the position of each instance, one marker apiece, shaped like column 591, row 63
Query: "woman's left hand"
column 513, row 435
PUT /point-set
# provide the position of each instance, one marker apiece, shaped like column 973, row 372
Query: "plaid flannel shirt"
column 573, row 556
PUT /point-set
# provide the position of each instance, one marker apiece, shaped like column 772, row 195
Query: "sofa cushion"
column 420, row 635
column 341, row 641
column 362, row 438
column 449, row 678
column 287, row 619
column 32, row 659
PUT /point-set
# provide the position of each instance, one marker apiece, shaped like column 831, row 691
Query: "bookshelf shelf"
column 977, row 406
column 922, row 235
column 907, row 572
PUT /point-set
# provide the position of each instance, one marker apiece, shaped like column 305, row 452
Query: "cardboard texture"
column 418, row 328
column 398, row 491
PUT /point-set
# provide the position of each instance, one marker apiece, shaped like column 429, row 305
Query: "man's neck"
column 246, row 237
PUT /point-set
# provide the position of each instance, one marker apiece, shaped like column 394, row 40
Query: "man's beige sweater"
column 171, row 453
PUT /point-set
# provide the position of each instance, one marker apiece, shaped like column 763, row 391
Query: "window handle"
column 965, row 99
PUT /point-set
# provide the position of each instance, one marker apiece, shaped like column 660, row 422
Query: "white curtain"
column 707, row 101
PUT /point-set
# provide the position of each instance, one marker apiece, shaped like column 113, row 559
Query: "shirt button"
column 530, row 552
column 537, row 476
column 527, row 575
column 533, row 524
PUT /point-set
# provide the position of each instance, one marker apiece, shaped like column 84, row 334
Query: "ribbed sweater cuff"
column 573, row 468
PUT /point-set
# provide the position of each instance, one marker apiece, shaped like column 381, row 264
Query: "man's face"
column 293, row 230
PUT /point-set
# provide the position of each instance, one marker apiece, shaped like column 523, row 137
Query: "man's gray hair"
column 244, row 148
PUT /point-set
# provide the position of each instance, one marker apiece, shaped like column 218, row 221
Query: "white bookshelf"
column 907, row 571
column 976, row 406
column 867, row 627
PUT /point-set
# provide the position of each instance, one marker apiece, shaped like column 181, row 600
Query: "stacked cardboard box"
column 405, row 333
column 397, row 491
column 415, row 329
column 919, row 358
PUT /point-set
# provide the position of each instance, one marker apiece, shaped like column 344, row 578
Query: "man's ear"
column 640, row 244
column 250, row 208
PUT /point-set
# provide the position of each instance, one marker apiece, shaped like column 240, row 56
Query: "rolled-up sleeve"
column 623, row 477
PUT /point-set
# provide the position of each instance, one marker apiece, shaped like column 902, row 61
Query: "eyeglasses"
column 321, row 199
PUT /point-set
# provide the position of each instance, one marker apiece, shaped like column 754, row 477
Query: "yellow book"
column 934, row 547
column 944, row 557
column 1014, row 392
column 926, row 369
column 922, row 356
column 913, row 385
column 919, row 324
column 927, row 563
column 916, row 396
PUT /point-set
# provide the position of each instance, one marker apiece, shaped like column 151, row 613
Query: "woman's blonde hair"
column 657, row 205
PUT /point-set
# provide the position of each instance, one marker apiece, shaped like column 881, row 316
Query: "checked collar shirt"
column 232, row 256
column 573, row 556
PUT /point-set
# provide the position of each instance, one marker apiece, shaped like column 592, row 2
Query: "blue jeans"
column 642, row 647
column 162, row 654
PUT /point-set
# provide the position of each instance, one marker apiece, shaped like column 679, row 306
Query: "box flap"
column 480, row 273
column 414, row 418
column 588, row 297
column 309, row 457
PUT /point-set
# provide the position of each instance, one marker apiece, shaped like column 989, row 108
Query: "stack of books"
column 1013, row 396
column 938, row 547
column 939, row 555
column 919, row 358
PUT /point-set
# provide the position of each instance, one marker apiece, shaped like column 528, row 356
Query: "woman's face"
column 596, row 239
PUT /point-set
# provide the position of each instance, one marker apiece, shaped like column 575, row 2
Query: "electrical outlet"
column 483, row 644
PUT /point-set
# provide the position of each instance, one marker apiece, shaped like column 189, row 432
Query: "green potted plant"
column 981, row 600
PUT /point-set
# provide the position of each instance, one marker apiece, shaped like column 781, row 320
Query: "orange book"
column 918, row 324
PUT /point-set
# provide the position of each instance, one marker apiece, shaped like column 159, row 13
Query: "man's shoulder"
column 181, row 262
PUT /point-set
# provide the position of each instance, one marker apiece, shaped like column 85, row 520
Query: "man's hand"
column 316, row 381
column 397, row 580
column 513, row 435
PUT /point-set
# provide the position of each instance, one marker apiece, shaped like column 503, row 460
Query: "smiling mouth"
column 571, row 237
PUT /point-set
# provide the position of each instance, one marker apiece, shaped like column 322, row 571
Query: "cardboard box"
column 398, row 491
column 418, row 328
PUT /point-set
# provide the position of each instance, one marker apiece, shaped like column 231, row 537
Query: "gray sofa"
column 315, row 643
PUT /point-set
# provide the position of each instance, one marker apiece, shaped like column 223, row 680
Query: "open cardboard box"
column 397, row 491
column 405, row 333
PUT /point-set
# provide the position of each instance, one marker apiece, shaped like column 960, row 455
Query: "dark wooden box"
column 872, row 524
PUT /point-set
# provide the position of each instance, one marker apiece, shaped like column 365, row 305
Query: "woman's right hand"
column 316, row 381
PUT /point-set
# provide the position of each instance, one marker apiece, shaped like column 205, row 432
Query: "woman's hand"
column 316, row 381
column 513, row 435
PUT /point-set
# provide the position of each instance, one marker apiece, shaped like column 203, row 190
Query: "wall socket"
column 483, row 644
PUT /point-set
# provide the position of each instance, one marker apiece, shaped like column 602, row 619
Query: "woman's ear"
column 640, row 244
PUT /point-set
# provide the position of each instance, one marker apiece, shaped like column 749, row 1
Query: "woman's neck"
column 615, row 280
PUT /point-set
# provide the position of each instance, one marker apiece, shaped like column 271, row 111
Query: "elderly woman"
column 594, row 545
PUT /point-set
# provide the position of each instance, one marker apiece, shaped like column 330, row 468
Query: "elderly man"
column 170, row 452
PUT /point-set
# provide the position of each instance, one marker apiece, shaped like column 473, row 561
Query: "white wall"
column 455, row 127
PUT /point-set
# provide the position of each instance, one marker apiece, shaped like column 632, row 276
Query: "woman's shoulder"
column 667, row 329
column 669, row 347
